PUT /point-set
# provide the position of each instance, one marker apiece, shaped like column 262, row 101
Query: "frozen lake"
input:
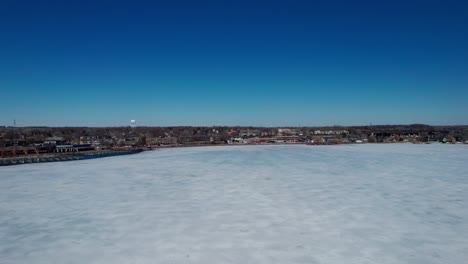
column 249, row 204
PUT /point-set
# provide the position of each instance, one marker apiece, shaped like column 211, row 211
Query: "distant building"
column 73, row 148
column 330, row 132
column 269, row 133
column 287, row 139
column 159, row 141
column 96, row 140
column 55, row 140
column 287, row 132
column 248, row 133
column 195, row 138
column 237, row 141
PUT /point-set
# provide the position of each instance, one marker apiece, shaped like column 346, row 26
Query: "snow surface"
column 249, row 204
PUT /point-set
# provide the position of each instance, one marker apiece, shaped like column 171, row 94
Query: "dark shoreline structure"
column 65, row 157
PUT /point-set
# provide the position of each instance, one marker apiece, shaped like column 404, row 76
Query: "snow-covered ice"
column 398, row 203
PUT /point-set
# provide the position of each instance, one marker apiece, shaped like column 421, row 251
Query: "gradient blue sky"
column 268, row 63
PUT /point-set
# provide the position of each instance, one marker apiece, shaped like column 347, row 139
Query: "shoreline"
column 58, row 157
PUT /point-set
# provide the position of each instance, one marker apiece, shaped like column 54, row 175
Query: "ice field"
column 374, row 203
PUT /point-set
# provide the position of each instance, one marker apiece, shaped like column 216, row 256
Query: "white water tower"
column 133, row 124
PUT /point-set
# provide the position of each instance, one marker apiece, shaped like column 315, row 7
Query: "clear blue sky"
column 268, row 63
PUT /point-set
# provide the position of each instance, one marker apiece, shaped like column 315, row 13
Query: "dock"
column 56, row 157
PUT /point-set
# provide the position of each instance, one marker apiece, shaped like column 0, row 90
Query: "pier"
column 38, row 158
